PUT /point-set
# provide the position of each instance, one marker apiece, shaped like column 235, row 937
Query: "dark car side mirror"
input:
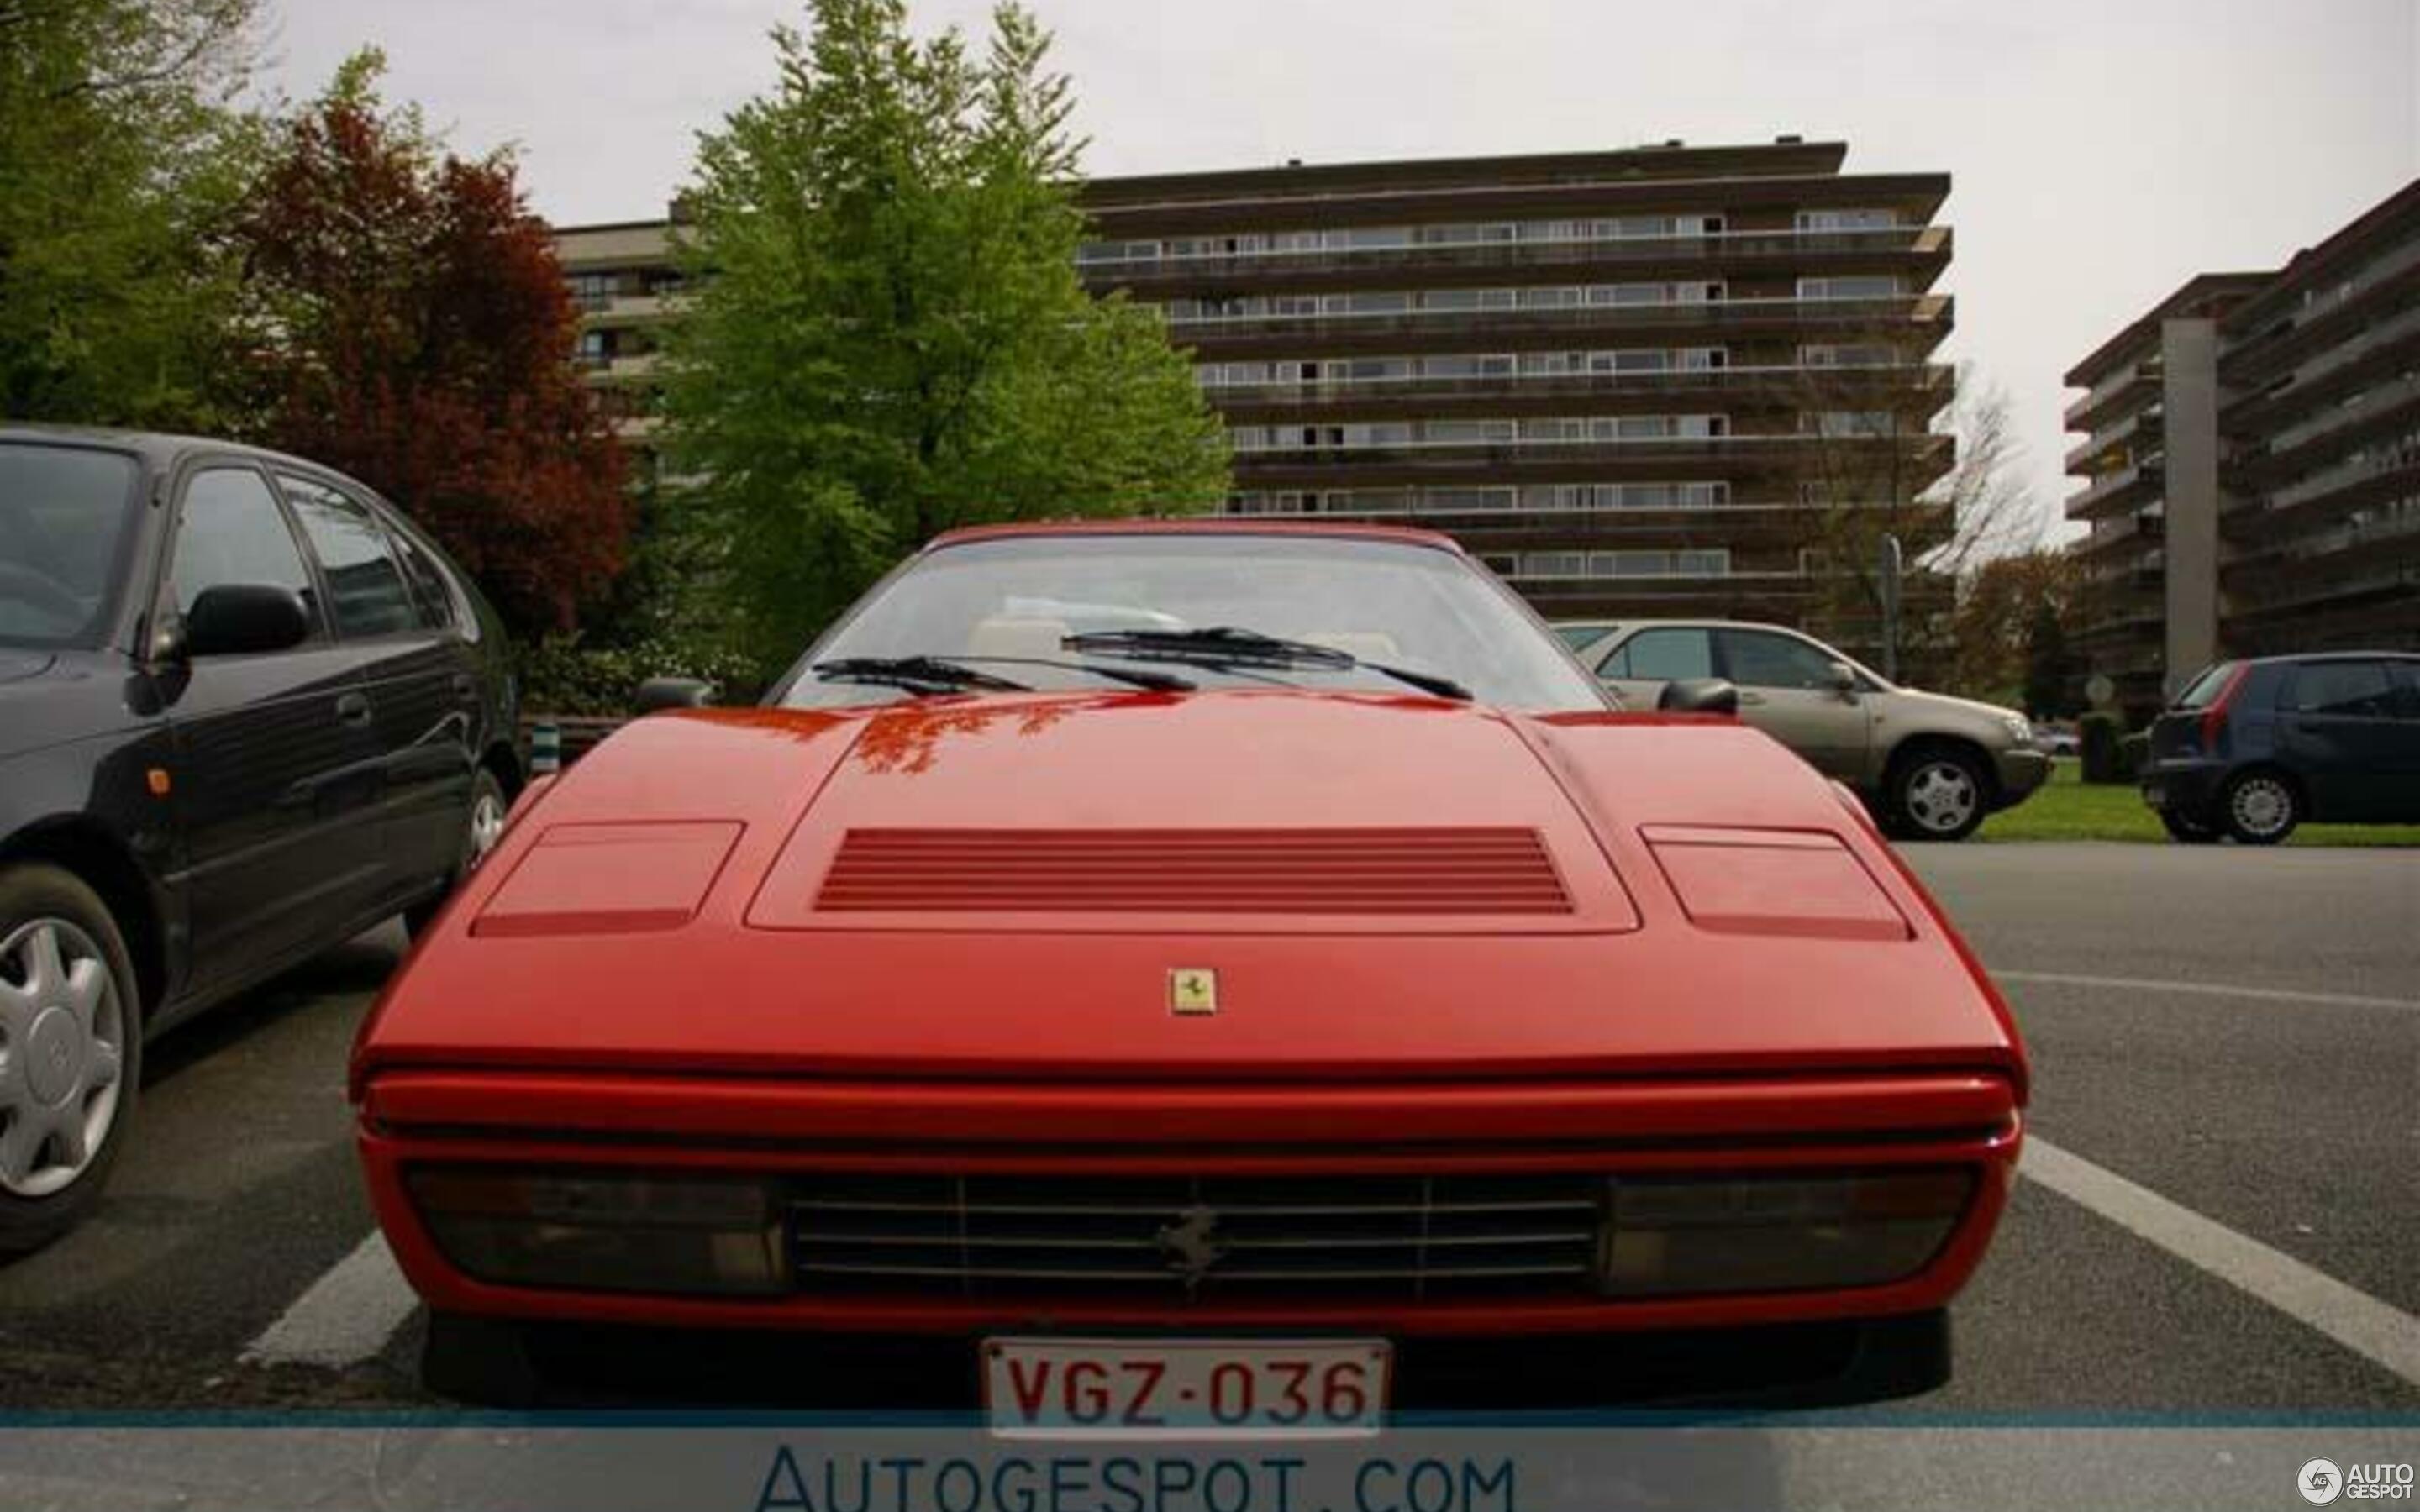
column 1699, row 695
column 674, row 693
column 246, row 620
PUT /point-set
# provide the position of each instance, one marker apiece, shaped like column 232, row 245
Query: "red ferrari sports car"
column 1222, row 973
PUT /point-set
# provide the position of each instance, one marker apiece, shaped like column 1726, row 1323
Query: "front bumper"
column 2021, row 770
column 1908, row 1120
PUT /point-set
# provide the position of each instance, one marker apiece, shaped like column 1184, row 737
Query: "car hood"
column 18, row 666
column 46, row 700
column 1990, row 714
column 1233, row 885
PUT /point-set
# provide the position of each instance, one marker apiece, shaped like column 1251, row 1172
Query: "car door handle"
column 353, row 709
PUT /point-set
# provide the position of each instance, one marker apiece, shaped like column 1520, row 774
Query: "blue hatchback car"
column 2255, row 748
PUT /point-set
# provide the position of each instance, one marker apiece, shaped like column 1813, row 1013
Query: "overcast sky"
column 2101, row 152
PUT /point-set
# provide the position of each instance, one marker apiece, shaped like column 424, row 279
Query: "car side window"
column 1662, row 656
column 2404, row 703
column 230, row 531
column 369, row 596
column 2349, row 690
column 432, row 597
column 1754, row 659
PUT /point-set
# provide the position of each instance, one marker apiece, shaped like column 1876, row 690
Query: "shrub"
column 563, row 677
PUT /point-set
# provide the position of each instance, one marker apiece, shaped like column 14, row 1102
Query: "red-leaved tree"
column 410, row 326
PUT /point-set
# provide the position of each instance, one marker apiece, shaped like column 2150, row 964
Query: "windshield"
column 1008, row 606
column 64, row 513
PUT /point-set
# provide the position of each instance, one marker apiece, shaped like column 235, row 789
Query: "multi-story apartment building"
column 1630, row 380
column 622, row 277
column 1654, row 380
column 2251, row 458
column 2149, row 462
column 2320, row 408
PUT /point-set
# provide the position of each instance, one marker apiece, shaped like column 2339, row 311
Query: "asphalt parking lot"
column 2220, row 1215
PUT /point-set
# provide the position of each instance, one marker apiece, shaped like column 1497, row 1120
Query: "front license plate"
column 1074, row 1388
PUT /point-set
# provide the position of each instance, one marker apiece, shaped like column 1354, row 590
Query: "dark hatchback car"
column 2255, row 748
column 246, row 712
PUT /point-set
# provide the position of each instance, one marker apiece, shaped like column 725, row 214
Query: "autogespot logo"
column 2321, row 1482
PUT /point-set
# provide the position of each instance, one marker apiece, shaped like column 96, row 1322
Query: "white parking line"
column 2359, row 1321
column 2204, row 989
column 346, row 1315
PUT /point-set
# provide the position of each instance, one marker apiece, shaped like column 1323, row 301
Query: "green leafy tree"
column 122, row 162
column 887, row 337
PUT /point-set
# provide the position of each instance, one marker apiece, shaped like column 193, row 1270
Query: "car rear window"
column 2207, row 688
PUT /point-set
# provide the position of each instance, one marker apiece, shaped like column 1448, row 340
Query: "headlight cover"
column 2020, row 728
column 1669, row 1236
column 604, row 1230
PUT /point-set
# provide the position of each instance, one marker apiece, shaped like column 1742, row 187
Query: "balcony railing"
column 2143, row 375
column 1913, row 378
column 1558, row 449
column 2135, row 538
column 1926, row 241
column 2123, row 434
column 602, row 367
column 1707, row 313
column 2246, row 414
column 1541, row 514
column 630, row 308
column 2137, row 484
column 2335, row 316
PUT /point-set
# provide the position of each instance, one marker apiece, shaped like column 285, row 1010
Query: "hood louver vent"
column 1331, row 871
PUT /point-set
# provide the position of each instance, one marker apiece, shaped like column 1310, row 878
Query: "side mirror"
column 1843, row 677
column 247, row 619
column 1699, row 695
column 657, row 693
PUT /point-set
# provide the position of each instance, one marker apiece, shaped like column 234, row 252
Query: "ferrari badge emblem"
column 1192, row 990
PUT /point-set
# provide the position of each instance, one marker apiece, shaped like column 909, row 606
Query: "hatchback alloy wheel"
column 2261, row 808
column 62, row 1056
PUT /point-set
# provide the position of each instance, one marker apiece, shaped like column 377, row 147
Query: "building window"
column 1847, row 220
column 1865, row 424
column 1860, row 354
column 1849, row 286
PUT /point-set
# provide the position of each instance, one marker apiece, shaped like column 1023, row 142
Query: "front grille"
column 1129, row 1238
column 1416, row 872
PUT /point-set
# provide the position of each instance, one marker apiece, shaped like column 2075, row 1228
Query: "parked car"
column 1304, row 993
column 246, row 711
column 2058, row 740
column 1931, row 767
column 2255, row 748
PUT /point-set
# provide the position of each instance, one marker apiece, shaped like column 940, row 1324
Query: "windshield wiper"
column 918, row 674
column 1155, row 681
column 1228, row 645
column 951, row 673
